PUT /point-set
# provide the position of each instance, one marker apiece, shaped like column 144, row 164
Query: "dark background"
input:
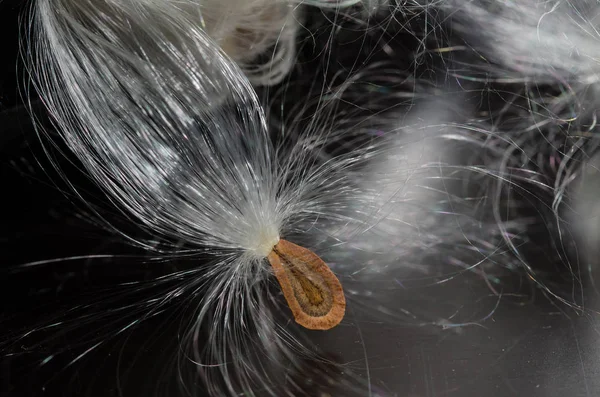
column 525, row 347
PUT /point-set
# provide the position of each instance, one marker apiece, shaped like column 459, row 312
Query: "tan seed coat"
column 313, row 293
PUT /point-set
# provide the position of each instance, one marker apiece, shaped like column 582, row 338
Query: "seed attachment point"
column 313, row 293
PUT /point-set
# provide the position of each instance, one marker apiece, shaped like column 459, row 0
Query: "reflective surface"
column 459, row 338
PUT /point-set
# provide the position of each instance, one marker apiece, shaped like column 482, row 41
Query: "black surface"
column 525, row 345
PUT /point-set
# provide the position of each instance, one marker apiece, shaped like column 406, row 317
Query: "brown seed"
column 312, row 291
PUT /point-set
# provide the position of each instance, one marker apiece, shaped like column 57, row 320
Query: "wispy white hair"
column 531, row 38
column 259, row 35
column 172, row 130
column 148, row 98
column 536, row 65
column 246, row 30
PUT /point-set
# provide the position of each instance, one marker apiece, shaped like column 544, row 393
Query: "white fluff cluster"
column 172, row 130
column 382, row 174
